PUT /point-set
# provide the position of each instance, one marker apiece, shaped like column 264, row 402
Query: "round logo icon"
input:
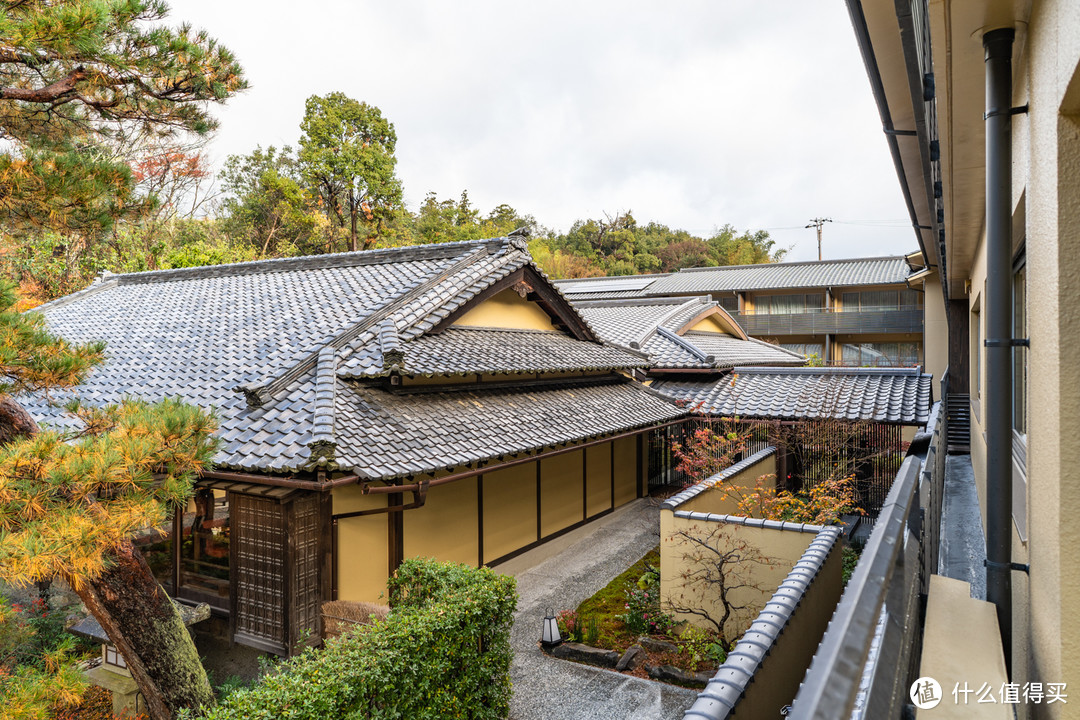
column 925, row 693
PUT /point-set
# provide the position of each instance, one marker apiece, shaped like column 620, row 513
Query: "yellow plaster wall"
column 625, row 470
column 447, row 526
column 935, row 330
column 598, row 478
column 561, row 492
column 768, row 556
column 714, row 323
column 1051, row 602
column 362, row 553
column 777, row 680
column 717, row 500
column 507, row 309
column 977, row 366
column 509, row 510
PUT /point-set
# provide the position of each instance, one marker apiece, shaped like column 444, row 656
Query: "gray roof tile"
column 285, row 330
column 654, row 323
column 458, row 427
column 891, row 395
column 737, row 278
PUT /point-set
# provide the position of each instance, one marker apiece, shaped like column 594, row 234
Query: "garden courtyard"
column 561, row 574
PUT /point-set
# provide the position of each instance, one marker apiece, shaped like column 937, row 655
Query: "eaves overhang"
column 924, row 59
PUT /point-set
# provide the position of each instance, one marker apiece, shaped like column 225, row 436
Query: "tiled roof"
column 469, row 351
column 432, row 431
column 657, row 327
column 737, row 278
column 264, row 344
column 892, row 395
column 782, row 276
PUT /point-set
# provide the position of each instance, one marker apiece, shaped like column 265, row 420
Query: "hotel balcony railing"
column 829, row 322
column 870, row 653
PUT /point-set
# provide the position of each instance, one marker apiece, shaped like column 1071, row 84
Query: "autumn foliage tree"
column 71, row 501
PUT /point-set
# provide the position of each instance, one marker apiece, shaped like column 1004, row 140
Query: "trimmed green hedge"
column 444, row 652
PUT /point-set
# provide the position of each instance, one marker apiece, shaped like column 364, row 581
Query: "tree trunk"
column 15, row 422
column 147, row 629
column 352, row 228
column 134, row 611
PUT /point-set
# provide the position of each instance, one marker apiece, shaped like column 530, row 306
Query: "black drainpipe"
column 998, row 48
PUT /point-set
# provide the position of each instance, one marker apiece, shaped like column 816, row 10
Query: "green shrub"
column 443, row 652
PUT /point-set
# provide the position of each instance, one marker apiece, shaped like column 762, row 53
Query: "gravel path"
column 560, row 574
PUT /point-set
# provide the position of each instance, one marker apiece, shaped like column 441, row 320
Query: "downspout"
column 998, row 58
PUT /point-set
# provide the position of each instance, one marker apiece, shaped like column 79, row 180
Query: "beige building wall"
column 935, row 331
column 597, row 479
column 1053, row 265
column 362, row 552
column 1046, row 201
column 626, row 470
column 447, row 526
column 507, row 309
column 509, row 510
column 765, row 557
column 561, row 499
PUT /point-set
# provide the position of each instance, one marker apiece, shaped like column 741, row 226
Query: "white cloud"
column 695, row 114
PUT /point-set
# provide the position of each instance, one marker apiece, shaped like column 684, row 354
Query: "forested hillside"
column 152, row 202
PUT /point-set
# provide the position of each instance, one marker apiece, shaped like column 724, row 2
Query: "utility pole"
column 817, row 223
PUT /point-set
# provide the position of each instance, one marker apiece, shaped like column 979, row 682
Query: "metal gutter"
column 866, row 49
column 999, row 341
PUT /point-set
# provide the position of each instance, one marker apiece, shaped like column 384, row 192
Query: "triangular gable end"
column 713, row 319
column 522, row 299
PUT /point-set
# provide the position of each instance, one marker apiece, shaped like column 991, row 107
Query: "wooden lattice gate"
column 277, row 554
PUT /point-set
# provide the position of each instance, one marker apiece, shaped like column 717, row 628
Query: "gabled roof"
column 490, row 351
column 269, row 345
column 889, row 395
column 661, row 328
column 891, row 270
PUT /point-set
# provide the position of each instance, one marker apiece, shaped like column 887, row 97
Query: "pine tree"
column 71, row 501
column 81, row 80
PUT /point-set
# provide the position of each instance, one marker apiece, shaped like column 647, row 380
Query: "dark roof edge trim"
column 317, row 262
column 877, row 371
column 106, row 281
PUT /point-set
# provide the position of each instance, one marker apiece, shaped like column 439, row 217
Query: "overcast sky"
column 757, row 114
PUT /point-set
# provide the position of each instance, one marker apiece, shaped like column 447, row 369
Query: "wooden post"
column 395, row 538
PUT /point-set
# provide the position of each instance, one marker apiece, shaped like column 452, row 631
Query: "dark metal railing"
column 899, row 320
column 869, row 655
